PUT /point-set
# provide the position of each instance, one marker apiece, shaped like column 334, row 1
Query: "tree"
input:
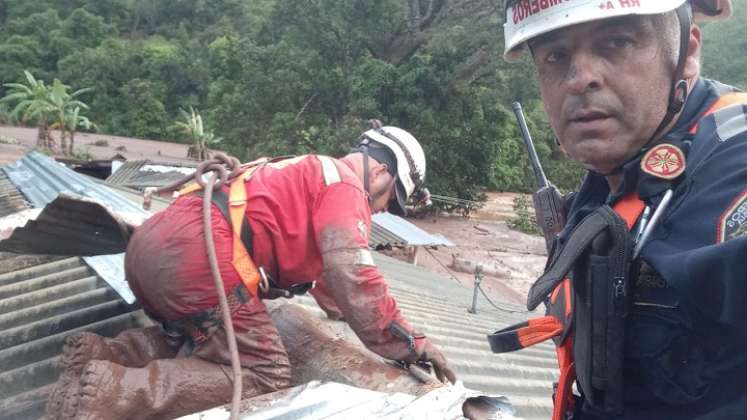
column 73, row 120
column 51, row 107
column 62, row 105
column 32, row 104
column 19, row 53
column 201, row 139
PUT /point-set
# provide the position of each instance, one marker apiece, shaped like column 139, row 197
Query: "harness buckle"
column 264, row 282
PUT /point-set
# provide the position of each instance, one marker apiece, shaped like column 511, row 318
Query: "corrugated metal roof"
column 145, row 173
column 43, row 300
column 50, row 293
column 11, row 199
column 41, row 179
column 69, row 225
column 125, row 171
column 389, row 229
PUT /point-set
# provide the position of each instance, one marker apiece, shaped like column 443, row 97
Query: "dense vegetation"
column 291, row 76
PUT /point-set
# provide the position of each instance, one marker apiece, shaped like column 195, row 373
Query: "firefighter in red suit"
column 309, row 218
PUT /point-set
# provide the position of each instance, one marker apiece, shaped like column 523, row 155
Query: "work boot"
column 78, row 350
column 134, row 347
column 161, row 390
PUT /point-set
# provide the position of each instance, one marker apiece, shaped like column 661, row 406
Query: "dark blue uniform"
column 686, row 335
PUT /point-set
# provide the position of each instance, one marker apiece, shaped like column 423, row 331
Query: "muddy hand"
column 440, row 367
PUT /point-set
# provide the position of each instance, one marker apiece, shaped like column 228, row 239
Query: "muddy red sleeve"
column 342, row 221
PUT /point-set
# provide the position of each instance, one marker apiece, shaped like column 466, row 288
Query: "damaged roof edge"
column 41, row 180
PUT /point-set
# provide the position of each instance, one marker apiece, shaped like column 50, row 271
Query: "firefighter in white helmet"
column 406, row 163
column 306, row 221
column 654, row 321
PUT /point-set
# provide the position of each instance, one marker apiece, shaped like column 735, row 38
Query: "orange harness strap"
column 241, row 259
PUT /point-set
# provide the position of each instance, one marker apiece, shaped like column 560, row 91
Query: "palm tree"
column 64, row 103
column 73, row 120
column 33, row 102
column 193, row 128
column 52, row 106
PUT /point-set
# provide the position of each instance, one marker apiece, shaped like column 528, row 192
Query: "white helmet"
column 409, row 160
column 527, row 19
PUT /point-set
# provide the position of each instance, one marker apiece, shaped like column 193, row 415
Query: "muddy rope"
column 222, row 169
column 500, row 308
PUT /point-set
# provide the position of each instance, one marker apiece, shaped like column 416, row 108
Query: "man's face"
column 381, row 188
column 605, row 88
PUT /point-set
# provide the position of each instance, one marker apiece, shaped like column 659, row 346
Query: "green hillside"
column 277, row 77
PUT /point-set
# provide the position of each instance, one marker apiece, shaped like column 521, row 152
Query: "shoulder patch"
column 733, row 221
column 664, row 161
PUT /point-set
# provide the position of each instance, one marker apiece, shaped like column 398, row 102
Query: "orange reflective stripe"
column 734, row 98
column 629, row 208
column 241, row 260
column 539, row 330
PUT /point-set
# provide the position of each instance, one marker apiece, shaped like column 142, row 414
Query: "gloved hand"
column 432, row 355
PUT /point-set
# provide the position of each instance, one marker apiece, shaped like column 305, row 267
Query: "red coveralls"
column 306, row 218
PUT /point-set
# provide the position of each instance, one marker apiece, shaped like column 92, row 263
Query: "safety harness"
column 585, row 317
column 201, row 325
column 558, row 323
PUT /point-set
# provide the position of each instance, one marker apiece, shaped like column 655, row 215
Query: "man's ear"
column 692, row 64
column 381, row 168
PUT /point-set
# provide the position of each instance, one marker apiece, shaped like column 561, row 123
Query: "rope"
column 219, row 164
column 500, row 308
column 207, row 204
column 222, row 169
column 451, row 274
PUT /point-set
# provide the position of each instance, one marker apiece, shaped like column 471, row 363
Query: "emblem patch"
column 664, row 161
column 733, row 222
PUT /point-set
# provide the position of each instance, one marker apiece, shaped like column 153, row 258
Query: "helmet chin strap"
column 366, row 181
column 679, row 92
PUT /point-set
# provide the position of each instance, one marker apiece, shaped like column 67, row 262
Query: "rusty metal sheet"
column 41, row 179
column 70, row 226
